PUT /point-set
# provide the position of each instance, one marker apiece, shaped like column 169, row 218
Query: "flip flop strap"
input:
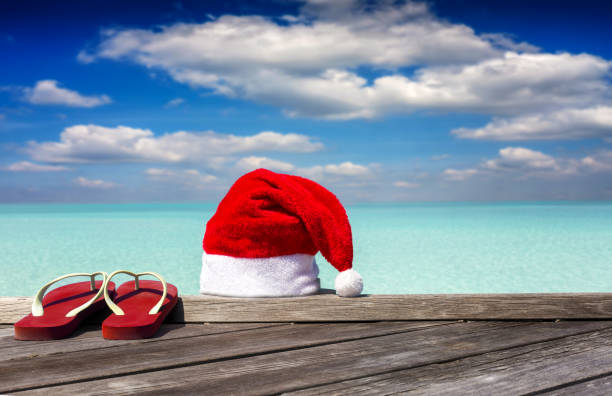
column 115, row 308
column 37, row 307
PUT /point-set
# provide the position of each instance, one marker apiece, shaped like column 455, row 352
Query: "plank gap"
column 269, row 374
column 349, row 386
column 459, row 358
column 568, row 384
column 221, row 359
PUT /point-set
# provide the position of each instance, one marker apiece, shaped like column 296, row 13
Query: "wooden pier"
column 553, row 344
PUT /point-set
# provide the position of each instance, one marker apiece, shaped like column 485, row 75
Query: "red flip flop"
column 139, row 308
column 61, row 311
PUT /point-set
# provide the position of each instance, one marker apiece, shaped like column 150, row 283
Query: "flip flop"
column 139, row 308
column 61, row 311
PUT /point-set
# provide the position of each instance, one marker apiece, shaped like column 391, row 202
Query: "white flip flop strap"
column 115, row 308
column 37, row 307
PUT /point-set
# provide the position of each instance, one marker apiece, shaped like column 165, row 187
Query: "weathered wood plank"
column 7, row 332
column 90, row 338
column 554, row 363
column 596, row 387
column 302, row 368
column 522, row 370
column 14, row 308
column 119, row 358
column 399, row 307
column 329, row 307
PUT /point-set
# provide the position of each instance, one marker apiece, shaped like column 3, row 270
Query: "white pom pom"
column 349, row 283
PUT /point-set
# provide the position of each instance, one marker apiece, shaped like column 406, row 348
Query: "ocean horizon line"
column 364, row 203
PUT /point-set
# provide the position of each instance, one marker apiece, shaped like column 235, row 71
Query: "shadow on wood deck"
column 415, row 344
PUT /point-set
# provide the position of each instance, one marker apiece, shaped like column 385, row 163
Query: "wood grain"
column 7, row 332
column 89, row 338
column 596, row 387
column 329, row 307
column 297, row 369
column 120, row 358
column 528, row 369
column 398, row 307
column 14, row 308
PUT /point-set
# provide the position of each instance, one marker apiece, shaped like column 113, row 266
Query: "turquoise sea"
column 407, row 248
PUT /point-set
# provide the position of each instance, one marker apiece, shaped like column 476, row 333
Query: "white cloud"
column 252, row 163
column 405, row 184
column 174, row 102
column 518, row 161
column 159, row 172
column 94, row 143
column 188, row 178
column 510, row 84
column 192, row 174
column 347, row 169
column 26, row 166
column 598, row 162
column 389, row 37
column 505, row 41
column 593, row 122
column 47, row 92
column 342, row 170
column 317, row 172
column 93, row 183
column 513, row 158
column 525, row 163
column 306, row 66
column 459, row 174
column 345, row 174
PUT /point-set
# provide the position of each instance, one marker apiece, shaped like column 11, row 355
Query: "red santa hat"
column 264, row 236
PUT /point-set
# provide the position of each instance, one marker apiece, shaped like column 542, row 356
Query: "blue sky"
column 378, row 101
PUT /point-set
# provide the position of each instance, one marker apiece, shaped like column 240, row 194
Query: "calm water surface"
column 408, row 248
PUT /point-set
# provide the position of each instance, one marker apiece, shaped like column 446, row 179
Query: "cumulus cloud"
column 339, row 171
column 390, row 36
column 593, row 122
column 94, row 143
column 26, row 166
column 342, row 170
column 510, row 84
column 189, row 178
column 526, row 163
column 505, row 41
column 513, row 158
column 252, row 163
column 93, row 183
column 48, row 92
column 405, row 184
column 307, row 65
column 459, row 174
column 342, row 175
column 598, row 162
column 347, row 169
column 159, row 172
column 518, row 161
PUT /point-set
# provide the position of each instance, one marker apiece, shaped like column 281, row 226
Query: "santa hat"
column 263, row 238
